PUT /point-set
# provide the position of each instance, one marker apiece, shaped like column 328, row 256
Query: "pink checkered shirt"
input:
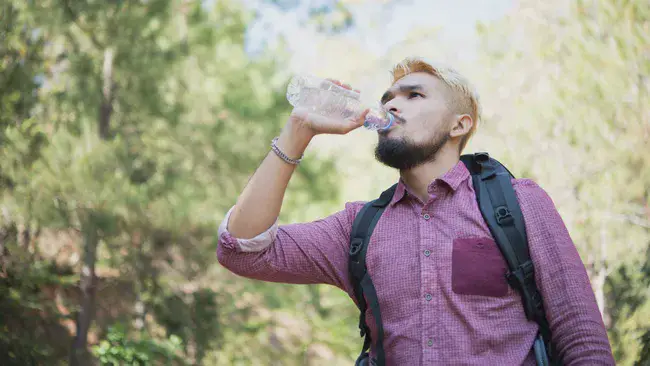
column 439, row 276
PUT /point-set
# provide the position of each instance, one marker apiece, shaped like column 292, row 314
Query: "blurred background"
column 128, row 128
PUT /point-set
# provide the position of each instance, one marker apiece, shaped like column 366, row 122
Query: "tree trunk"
column 140, row 308
column 601, row 276
column 601, row 263
column 25, row 237
column 106, row 108
column 79, row 355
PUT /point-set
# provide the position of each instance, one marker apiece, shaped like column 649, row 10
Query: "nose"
column 391, row 107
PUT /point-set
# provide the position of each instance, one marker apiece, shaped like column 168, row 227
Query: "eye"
column 415, row 94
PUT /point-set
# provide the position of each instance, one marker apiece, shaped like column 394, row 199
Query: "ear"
column 462, row 126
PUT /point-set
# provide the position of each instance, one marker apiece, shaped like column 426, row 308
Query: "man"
column 437, row 270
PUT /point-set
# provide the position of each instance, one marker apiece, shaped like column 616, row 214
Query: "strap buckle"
column 523, row 279
column 504, row 216
column 521, row 275
column 355, row 247
column 488, row 170
column 482, row 157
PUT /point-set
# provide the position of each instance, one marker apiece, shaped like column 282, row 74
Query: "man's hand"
column 316, row 124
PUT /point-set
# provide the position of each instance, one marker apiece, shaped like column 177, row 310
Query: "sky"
column 379, row 37
column 377, row 27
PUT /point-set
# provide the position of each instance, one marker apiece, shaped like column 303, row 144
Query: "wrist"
column 293, row 140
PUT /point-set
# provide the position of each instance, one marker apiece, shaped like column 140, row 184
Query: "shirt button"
column 428, row 297
column 427, row 252
column 430, row 342
column 426, row 216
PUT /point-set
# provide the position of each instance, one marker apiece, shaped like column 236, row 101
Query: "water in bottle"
column 330, row 100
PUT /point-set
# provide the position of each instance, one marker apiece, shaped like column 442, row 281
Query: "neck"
column 419, row 177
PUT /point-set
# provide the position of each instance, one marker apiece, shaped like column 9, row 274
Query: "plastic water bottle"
column 330, row 100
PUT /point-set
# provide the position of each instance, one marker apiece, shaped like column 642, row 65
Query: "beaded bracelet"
column 282, row 155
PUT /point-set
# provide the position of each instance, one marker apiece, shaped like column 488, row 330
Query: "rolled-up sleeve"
column 303, row 253
column 256, row 244
column 576, row 323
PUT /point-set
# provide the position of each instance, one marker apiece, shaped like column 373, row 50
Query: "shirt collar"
column 452, row 178
column 455, row 176
column 400, row 192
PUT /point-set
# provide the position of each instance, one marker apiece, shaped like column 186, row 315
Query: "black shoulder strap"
column 500, row 209
column 364, row 289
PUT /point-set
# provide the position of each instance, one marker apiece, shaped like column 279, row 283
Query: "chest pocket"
column 478, row 268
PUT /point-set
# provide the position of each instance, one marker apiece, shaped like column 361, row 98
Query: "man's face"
column 423, row 121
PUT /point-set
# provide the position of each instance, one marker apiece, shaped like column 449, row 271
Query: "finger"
column 342, row 84
column 333, row 125
column 354, row 123
column 362, row 117
column 334, row 81
column 323, row 124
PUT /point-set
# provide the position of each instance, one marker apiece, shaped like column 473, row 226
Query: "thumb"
column 356, row 122
column 362, row 117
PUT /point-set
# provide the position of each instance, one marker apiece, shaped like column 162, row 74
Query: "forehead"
column 424, row 80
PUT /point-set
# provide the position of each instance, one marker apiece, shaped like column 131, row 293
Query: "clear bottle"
column 330, row 100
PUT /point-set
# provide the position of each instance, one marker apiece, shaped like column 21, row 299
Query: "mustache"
column 398, row 118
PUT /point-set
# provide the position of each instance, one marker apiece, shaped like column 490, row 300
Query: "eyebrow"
column 389, row 94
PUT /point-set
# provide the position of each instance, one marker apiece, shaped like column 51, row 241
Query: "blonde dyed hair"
column 462, row 99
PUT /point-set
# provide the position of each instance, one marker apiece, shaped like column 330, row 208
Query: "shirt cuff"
column 256, row 244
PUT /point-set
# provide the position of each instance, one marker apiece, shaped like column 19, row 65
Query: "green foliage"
column 195, row 323
column 128, row 128
column 30, row 332
column 131, row 127
column 628, row 297
column 117, row 349
column 21, row 62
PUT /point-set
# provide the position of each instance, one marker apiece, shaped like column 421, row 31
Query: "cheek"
column 421, row 132
column 426, row 122
column 427, row 126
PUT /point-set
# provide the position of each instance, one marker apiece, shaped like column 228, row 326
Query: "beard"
column 404, row 154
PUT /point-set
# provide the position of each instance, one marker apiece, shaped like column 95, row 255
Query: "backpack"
column 500, row 210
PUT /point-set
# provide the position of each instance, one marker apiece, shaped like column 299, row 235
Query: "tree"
column 152, row 117
column 573, row 94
